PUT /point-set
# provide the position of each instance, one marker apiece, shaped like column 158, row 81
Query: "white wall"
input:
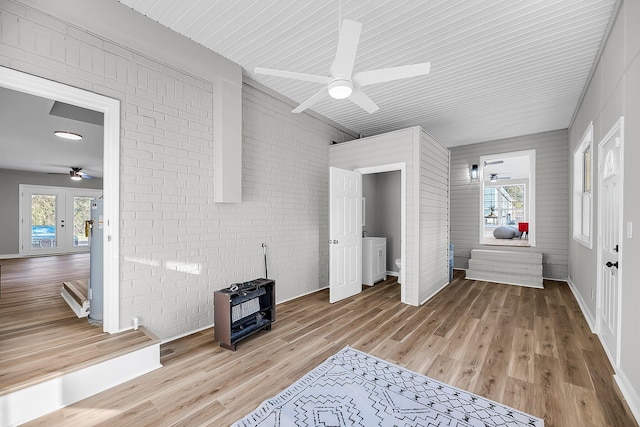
column 613, row 92
column 389, row 148
column 552, row 198
column 434, row 215
column 426, row 233
column 176, row 245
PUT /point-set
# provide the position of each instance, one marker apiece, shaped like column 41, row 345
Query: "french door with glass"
column 52, row 219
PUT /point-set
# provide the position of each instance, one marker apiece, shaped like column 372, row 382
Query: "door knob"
column 612, row 264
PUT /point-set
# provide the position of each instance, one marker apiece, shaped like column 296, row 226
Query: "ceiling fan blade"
column 84, row 175
column 293, row 75
column 347, row 48
column 388, row 74
column 317, row 97
column 361, row 99
column 495, row 162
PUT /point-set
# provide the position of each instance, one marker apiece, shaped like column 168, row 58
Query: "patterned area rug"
column 353, row 388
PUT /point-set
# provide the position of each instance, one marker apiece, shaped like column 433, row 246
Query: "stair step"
column 78, row 290
column 505, row 267
column 506, row 256
column 509, row 267
column 506, row 278
column 65, row 376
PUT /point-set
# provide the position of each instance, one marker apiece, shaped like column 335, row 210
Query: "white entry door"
column 609, row 241
column 345, row 234
column 52, row 219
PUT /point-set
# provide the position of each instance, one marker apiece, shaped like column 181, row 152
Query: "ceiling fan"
column 495, row 178
column 493, row 162
column 342, row 81
column 76, row 174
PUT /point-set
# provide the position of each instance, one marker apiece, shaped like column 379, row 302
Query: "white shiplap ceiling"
column 498, row 68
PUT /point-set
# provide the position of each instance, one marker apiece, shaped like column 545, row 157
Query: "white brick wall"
column 176, row 245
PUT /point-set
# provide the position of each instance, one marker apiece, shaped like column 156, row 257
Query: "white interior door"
column 345, row 234
column 52, row 219
column 610, row 236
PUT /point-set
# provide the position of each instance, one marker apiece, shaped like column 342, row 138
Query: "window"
column 507, row 196
column 582, row 183
column 504, row 205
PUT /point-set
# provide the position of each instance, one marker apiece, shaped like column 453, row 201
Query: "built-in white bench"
column 510, row 267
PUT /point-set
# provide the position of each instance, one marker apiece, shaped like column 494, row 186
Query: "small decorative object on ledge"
column 242, row 310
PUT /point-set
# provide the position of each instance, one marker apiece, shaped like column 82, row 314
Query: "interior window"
column 582, row 181
column 508, row 180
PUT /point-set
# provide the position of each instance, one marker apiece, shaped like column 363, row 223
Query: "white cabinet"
column 374, row 259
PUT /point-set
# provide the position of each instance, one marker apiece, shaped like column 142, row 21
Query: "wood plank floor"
column 527, row 348
column 40, row 335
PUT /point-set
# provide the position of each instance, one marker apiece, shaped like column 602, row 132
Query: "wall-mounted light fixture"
column 473, row 173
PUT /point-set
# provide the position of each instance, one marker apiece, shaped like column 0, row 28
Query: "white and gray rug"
column 353, row 388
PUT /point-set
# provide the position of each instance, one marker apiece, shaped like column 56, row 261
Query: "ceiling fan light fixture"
column 75, row 175
column 493, row 177
column 68, row 135
column 340, row 88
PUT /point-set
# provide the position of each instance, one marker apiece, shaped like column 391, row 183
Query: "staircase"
column 510, row 267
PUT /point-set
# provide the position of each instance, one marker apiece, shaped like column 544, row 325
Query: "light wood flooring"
column 40, row 335
column 527, row 348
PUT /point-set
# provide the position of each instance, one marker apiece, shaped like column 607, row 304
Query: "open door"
column 345, row 234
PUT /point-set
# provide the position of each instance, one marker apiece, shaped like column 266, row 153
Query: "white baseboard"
column 301, row 295
column 8, row 256
column 627, row 390
column 583, row 306
column 431, row 295
column 40, row 399
column 630, row 395
column 392, row 273
column 186, row 334
column 177, row 337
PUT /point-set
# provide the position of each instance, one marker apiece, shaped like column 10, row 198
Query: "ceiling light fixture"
column 75, row 175
column 494, row 177
column 340, row 89
column 68, row 135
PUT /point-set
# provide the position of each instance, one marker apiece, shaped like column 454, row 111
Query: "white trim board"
column 633, row 400
column 591, row 321
column 40, row 399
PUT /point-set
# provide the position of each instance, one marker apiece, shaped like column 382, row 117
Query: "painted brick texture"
column 176, row 245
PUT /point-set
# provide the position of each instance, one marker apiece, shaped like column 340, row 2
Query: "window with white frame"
column 582, row 184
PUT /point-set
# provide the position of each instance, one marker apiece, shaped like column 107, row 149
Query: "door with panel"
column 345, row 234
column 610, row 241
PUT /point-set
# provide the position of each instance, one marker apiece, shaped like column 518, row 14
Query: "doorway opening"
column 384, row 190
column 29, row 84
